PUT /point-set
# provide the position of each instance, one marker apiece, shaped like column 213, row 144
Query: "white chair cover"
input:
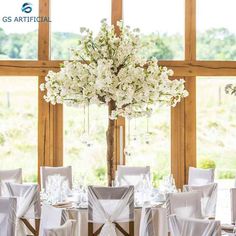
column 185, row 204
column 7, row 216
column 68, row 229
column 52, row 217
column 108, row 205
column 146, row 222
column 28, row 200
column 209, row 198
column 127, row 175
column 14, row 176
column 193, row 227
column 233, row 205
column 198, row 176
column 28, row 203
column 46, row 171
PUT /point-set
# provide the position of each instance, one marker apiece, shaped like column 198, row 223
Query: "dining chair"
column 129, row 175
column 193, row 227
column 109, row 207
column 208, row 200
column 46, row 171
column 28, row 205
column 184, row 204
column 7, row 216
column 68, row 229
column 233, row 205
column 14, row 176
column 146, row 227
column 153, row 221
column 199, row 176
column 52, row 217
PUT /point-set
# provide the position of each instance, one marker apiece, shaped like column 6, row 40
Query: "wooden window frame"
column 183, row 116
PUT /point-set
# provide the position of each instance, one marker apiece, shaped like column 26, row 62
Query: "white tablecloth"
column 159, row 217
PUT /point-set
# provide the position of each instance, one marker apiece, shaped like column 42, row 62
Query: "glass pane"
column 161, row 24
column 66, row 29
column 148, row 143
column 216, row 134
column 216, row 31
column 19, row 125
column 85, row 143
column 19, row 30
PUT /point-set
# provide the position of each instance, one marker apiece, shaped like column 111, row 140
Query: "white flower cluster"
column 107, row 68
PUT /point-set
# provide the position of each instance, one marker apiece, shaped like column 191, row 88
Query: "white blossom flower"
column 42, row 87
column 107, row 68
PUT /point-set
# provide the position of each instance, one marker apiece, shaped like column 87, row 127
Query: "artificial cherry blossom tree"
column 107, row 69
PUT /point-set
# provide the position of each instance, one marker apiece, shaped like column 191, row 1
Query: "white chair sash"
column 28, row 200
column 110, row 205
column 185, row 204
column 153, row 221
column 46, row 171
column 7, row 216
column 127, row 175
column 14, row 176
column 68, row 229
column 198, row 176
column 146, row 223
column 209, row 198
column 193, row 227
column 52, row 217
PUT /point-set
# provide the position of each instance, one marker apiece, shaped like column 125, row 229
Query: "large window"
column 18, row 126
column 85, row 143
column 216, row 134
column 161, row 24
column 216, row 31
column 66, row 29
column 148, row 143
column 18, row 39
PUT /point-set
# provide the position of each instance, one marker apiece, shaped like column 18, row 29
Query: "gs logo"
column 27, row 7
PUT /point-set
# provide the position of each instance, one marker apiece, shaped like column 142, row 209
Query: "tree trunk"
column 110, row 143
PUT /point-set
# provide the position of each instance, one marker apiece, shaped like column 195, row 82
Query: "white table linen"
column 7, row 216
column 198, row 176
column 13, row 176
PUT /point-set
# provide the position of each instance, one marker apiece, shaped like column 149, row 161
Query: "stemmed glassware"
column 80, row 192
column 143, row 190
column 57, row 189
column 168, row 185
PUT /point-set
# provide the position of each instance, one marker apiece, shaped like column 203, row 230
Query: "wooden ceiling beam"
column 181, row 68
